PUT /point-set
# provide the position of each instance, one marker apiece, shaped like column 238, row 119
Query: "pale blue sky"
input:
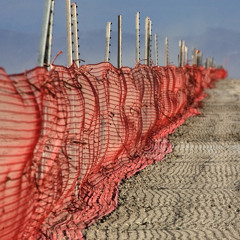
column 213, row 26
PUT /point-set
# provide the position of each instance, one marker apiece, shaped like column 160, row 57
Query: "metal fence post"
column 156, row 49
column 119, row 61
column 194, row 61
column 166, row 52
column 182, row 53
column 199, row 56
column 147, row 39
column 46, row 37
column 186, row 55
column 50, row 34
column 75, row 34
column 148, row 32
column 209, row 62
column 69, row 32
column 107, row 45
column 137, row 38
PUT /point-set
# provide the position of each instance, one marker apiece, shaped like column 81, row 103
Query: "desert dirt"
column 194, row 193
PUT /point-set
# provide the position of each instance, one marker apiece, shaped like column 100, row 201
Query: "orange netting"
column 70, row 135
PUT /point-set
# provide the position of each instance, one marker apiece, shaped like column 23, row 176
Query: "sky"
column 212, row 26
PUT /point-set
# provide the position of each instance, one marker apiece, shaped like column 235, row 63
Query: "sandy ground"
column 194, row 193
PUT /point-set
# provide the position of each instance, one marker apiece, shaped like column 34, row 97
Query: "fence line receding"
column 68, row 136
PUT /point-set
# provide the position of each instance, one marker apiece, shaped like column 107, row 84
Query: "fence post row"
column 46, row 37
column 183, row 49
column 209, row 62
column 71, row 22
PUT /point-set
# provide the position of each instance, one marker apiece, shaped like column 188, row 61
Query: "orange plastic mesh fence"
column 70, row 135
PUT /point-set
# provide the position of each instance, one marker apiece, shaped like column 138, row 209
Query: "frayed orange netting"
column 70, row 135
